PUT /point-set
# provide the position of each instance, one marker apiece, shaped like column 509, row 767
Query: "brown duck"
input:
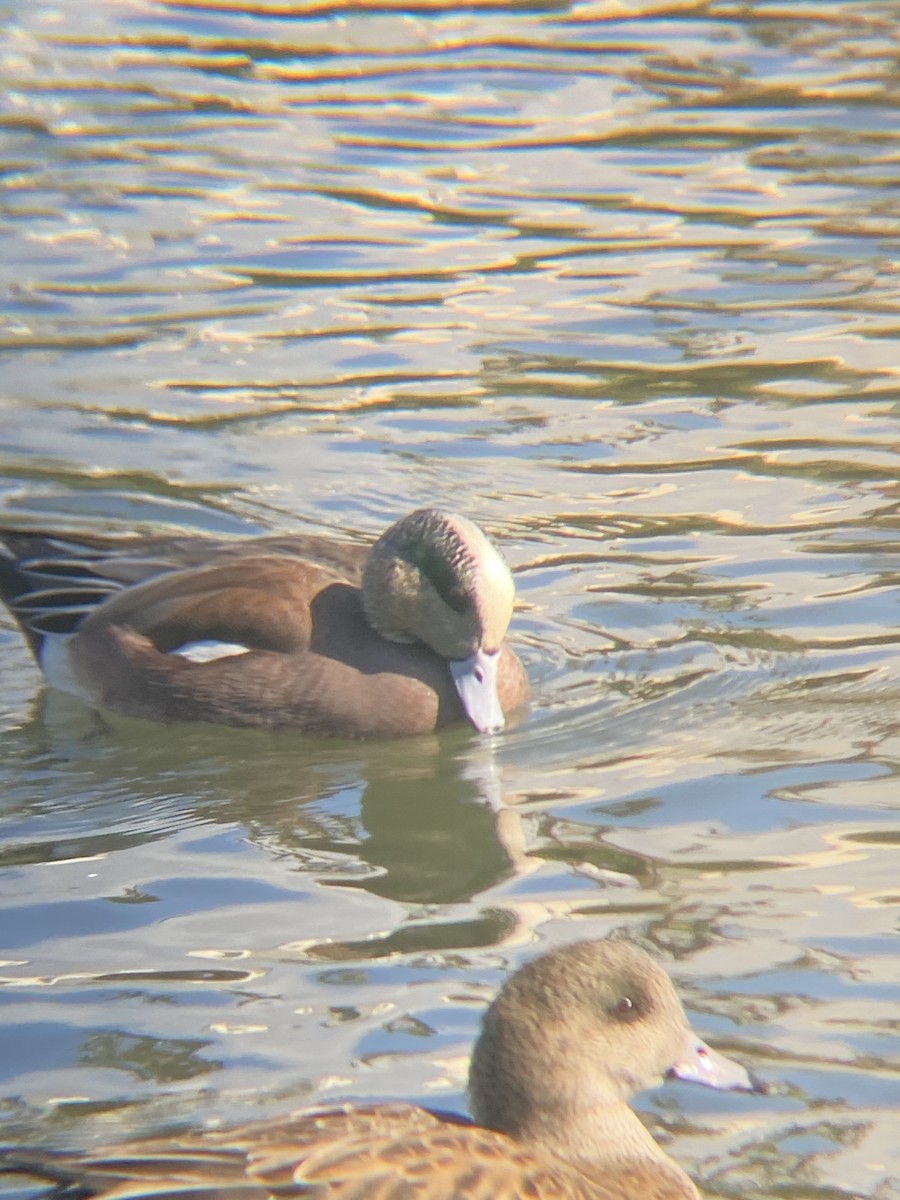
column 568, row 1040
column 298, row 632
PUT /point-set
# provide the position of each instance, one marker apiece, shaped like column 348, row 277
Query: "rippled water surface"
column 618, row 280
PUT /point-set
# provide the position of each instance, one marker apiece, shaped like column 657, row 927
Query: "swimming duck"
column 570, row 1038
column 297, row 632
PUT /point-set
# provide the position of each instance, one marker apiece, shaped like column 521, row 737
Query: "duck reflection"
column 419, row 821
column 434, row 833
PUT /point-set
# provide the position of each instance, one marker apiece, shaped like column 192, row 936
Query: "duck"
column 568, row 1040
column 300, row 631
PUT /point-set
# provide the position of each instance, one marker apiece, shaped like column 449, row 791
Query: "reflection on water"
column 617, row 280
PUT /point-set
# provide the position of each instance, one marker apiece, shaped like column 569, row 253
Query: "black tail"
column 49, row 583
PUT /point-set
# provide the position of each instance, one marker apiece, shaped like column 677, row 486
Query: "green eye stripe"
column 442, row 576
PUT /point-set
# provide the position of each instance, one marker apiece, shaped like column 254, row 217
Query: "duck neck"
column 593, row 1135
column 584, row 1120
column 609, row 1144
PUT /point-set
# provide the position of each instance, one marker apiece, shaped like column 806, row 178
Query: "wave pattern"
column 618, row 278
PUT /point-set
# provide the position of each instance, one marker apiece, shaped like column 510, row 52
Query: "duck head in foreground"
column 568, row 1040
column 297, row 632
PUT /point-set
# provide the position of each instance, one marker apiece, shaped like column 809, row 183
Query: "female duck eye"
column 627, row 1008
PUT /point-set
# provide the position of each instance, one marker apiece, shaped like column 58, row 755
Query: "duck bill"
column 699, row 1063
column 475, row 678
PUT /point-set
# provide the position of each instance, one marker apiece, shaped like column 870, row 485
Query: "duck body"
column 569, row 1039
column 297, row 632
column 386, row 1151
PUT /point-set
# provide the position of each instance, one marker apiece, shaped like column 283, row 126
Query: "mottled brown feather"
column 391, row 1151
column 570, row 1135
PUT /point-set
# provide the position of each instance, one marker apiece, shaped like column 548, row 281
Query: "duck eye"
column 626, row 1009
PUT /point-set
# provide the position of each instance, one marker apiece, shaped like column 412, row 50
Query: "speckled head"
column 434, row 577
column 608, row 1023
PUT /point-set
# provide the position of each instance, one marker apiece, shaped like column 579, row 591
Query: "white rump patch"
column 204, row 652
column 54, row 658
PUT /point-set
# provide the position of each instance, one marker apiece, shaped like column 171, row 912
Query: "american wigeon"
column 297, row 632
column 570, row 1037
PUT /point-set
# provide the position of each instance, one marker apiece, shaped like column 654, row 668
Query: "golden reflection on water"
column 619, row 280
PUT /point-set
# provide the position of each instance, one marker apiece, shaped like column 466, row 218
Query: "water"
column 619, row 282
